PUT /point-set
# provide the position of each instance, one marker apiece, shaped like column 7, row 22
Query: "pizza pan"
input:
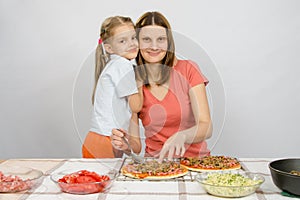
column 282, row 176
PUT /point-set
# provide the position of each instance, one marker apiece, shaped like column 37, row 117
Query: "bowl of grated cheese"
column 230, row 184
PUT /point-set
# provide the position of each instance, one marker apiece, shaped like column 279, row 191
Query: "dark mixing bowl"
column 281, row 176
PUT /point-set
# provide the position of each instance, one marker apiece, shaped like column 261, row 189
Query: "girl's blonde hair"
column 106, row 32
column 156, row 18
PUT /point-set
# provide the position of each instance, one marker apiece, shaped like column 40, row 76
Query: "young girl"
column 115, row 92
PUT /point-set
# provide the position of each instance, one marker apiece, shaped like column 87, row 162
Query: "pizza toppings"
column 83, row 182
column 83, row 176
column 12, row 183
column 210, row 163
column 154, row 169
column 228, row 179
column 231, row 184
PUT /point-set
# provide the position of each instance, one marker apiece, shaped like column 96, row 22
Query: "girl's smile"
column 124, row 42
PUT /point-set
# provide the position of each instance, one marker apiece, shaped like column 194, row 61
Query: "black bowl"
column 281, row 176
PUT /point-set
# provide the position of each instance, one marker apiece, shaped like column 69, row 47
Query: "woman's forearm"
column 197, row 133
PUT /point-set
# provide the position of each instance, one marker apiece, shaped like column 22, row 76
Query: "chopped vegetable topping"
column 228, row 179
column 230, row 185
column 12, row 183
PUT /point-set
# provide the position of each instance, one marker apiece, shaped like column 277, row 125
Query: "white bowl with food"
column 83, row 181
column 16, row 179
column 230, row 184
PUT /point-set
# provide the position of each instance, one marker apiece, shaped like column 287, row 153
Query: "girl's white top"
column 115, row 84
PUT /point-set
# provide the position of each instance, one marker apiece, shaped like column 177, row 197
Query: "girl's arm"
column 133, row 136
column 201, row 131
column 136, row 101
column 136, row 104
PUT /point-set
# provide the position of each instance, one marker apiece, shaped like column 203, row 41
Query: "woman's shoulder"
column 185, row 65
column 191, row 71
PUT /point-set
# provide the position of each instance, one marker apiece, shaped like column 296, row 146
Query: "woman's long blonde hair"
column 106, row 32
column 155, row 18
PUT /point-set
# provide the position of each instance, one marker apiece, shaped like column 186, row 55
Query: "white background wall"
column 248, row 49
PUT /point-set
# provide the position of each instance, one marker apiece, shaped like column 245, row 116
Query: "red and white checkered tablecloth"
column 184, row 188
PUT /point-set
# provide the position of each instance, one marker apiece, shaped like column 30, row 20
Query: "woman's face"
column 153, row 43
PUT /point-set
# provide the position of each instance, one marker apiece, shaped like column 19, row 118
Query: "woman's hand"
column 174, row 146
column 116, row 139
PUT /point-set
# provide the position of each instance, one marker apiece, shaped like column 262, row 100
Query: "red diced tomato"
column 85, row 179
column 83, row 182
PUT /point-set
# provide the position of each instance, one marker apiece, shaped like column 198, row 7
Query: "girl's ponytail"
column 101, row 58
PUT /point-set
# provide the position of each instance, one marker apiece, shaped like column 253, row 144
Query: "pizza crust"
column 211, row 170
column 149, row 177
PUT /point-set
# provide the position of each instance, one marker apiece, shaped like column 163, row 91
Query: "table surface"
column 184, row 188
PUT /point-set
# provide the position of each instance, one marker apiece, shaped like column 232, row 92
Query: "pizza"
column 154, row 170
column 210, row 163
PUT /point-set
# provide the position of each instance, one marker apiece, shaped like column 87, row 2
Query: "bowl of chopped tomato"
column 16, row 179
column 83, row 181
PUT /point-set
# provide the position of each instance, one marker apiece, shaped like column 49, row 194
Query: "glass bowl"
column 230, row 184
column 17, row 179
column 83, row 181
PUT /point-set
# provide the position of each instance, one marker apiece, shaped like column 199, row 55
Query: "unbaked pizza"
column 210, row 163
column 154, row 170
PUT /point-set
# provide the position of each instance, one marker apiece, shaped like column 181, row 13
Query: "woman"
column 175, row 111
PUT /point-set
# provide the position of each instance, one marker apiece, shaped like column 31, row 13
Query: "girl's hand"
column 116, row 139
column 174, row 146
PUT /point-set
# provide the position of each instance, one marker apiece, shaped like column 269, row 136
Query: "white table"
column 125, row 188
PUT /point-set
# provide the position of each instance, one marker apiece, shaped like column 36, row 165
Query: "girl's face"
column 124, row 42
column 153, row 42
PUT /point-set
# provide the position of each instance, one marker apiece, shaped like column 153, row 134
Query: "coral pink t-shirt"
column 162, row 118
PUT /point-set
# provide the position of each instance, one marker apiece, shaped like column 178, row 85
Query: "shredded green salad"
column 237, row 185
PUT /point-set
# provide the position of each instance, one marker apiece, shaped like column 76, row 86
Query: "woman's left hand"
column 175, row 144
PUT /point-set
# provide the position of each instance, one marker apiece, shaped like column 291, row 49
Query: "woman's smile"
column 154, row 53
